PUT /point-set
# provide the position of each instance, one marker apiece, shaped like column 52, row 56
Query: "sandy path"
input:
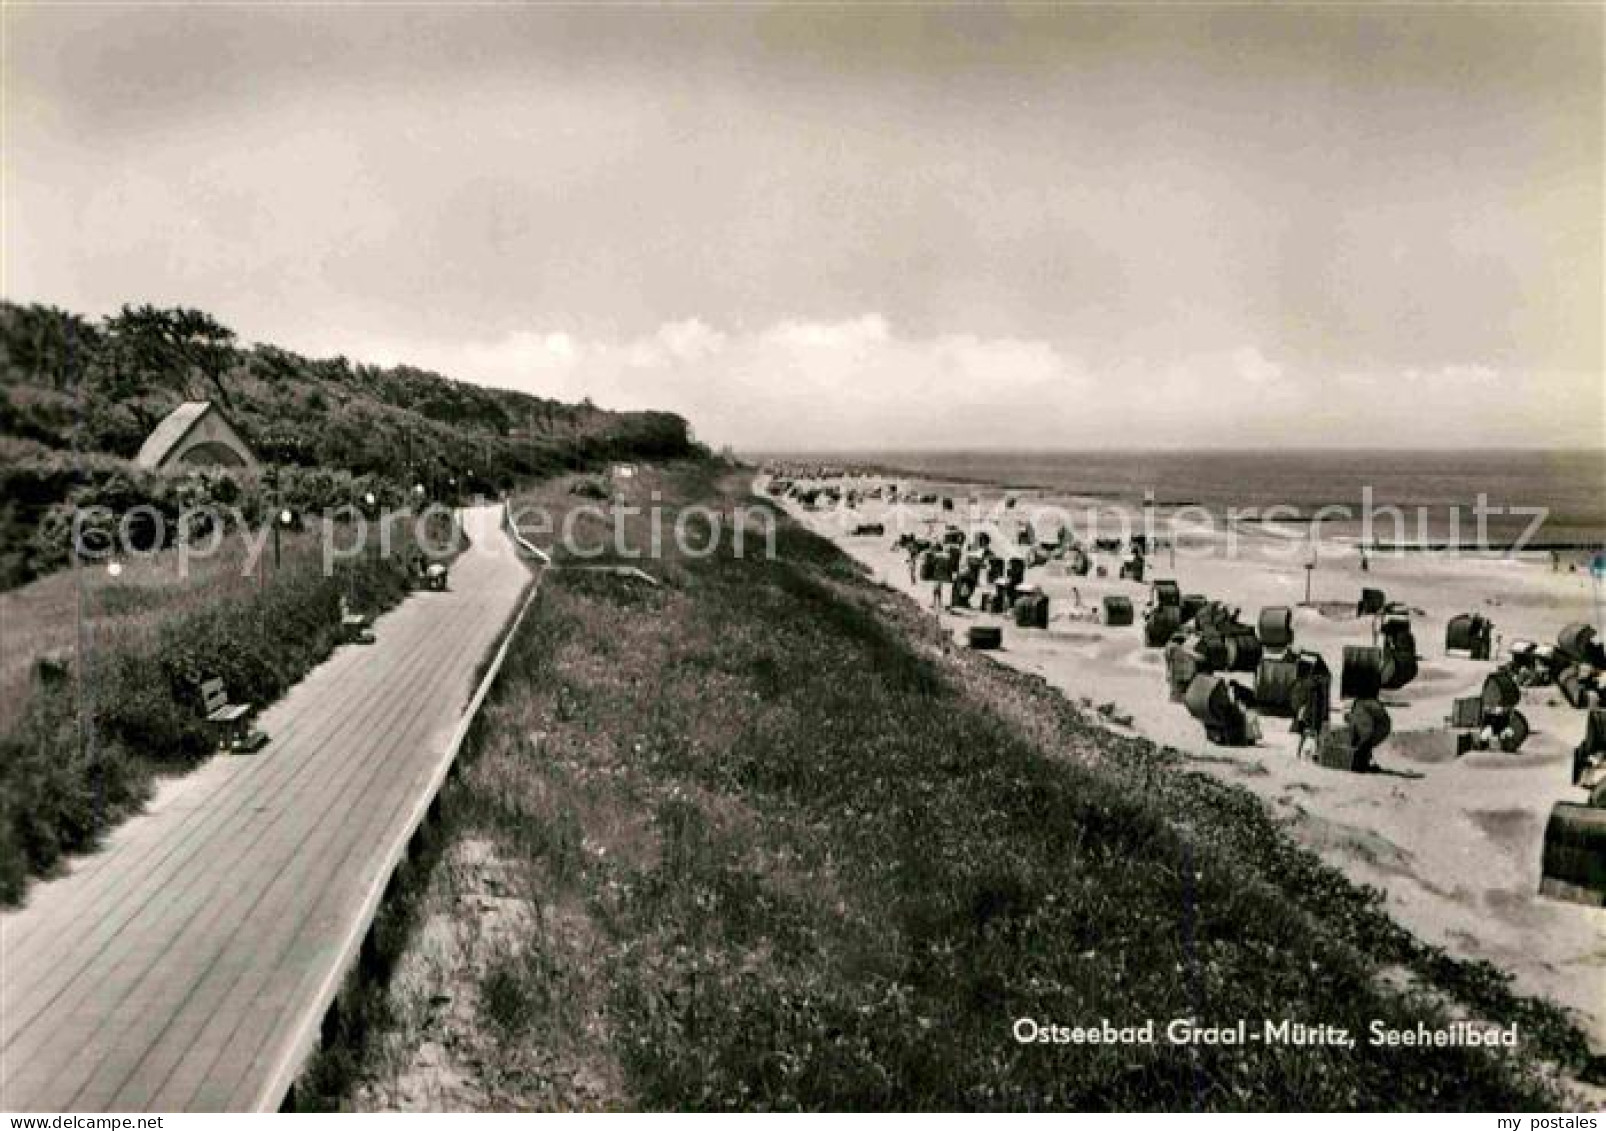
column 1453, row 843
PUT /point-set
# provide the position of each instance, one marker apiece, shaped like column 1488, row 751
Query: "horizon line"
column 1173, row 450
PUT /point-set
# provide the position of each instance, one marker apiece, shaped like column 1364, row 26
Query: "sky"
column 817, row 227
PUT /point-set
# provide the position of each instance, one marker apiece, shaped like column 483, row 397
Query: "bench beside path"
column 188, row 963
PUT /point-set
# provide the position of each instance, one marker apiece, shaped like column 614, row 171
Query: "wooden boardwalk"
column 187, row 965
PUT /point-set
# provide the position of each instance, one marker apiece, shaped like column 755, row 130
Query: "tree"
column 44, row 344
column 169, row 347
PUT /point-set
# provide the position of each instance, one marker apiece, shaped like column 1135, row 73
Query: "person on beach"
column 1310, row 712
column 1303, row 729
column 1245, row 700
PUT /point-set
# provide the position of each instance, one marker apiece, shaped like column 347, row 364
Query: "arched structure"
column 196, row 434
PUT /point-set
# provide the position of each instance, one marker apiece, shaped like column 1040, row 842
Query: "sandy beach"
column 1454, row 843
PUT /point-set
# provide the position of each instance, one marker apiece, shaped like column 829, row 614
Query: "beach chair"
column 1500, row 693
column 1243, row 649
column 1276, row 627
column 1336, row 751
column 1212, row 651
column 984, row 637
column 1117, row 610
column 1579, row 686
column 230, row 721
column 1489, row 721
column 1031, row 609
column 1589, row 756
column 1164, row 594
column 1275, row 680
column 1399, row 669
column 1349, row 745
column 960, row 592
column 1218, row 705
column 1180, row 668
column 1466, row 713
column 1161, row 624
column 1513, row 732
column 1520, row 657
column 1469, row 633
column 1361, row 677
column 1576, row 642
column 1573, row 864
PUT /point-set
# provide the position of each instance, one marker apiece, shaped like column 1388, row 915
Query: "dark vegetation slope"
column 758, row 839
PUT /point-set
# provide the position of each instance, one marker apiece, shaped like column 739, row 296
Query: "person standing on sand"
column 1310, row 712
column 1302, row 728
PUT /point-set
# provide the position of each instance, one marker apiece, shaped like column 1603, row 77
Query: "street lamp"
column 285, row 519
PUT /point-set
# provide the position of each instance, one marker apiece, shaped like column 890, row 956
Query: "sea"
column 1435, row 492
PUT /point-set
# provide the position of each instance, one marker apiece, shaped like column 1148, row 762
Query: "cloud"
column 1450, row 375
column 864, row 383
column 795, row 383
column 690, row 340
column 1254, row 367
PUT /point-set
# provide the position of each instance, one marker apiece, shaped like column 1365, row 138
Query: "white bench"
column 232, row 720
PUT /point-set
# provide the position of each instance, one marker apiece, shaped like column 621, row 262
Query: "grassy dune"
column 758, row 839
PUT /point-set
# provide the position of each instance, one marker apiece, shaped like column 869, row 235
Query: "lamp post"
column 418, row 495
column 1311, row 561
column 370, row 503
column 285, row 518
column 1597, row 572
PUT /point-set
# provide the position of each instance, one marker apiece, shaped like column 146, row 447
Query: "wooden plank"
column 187, row 965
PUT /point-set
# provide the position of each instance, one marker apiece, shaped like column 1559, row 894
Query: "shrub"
column 61, row 784
column 590, row 487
